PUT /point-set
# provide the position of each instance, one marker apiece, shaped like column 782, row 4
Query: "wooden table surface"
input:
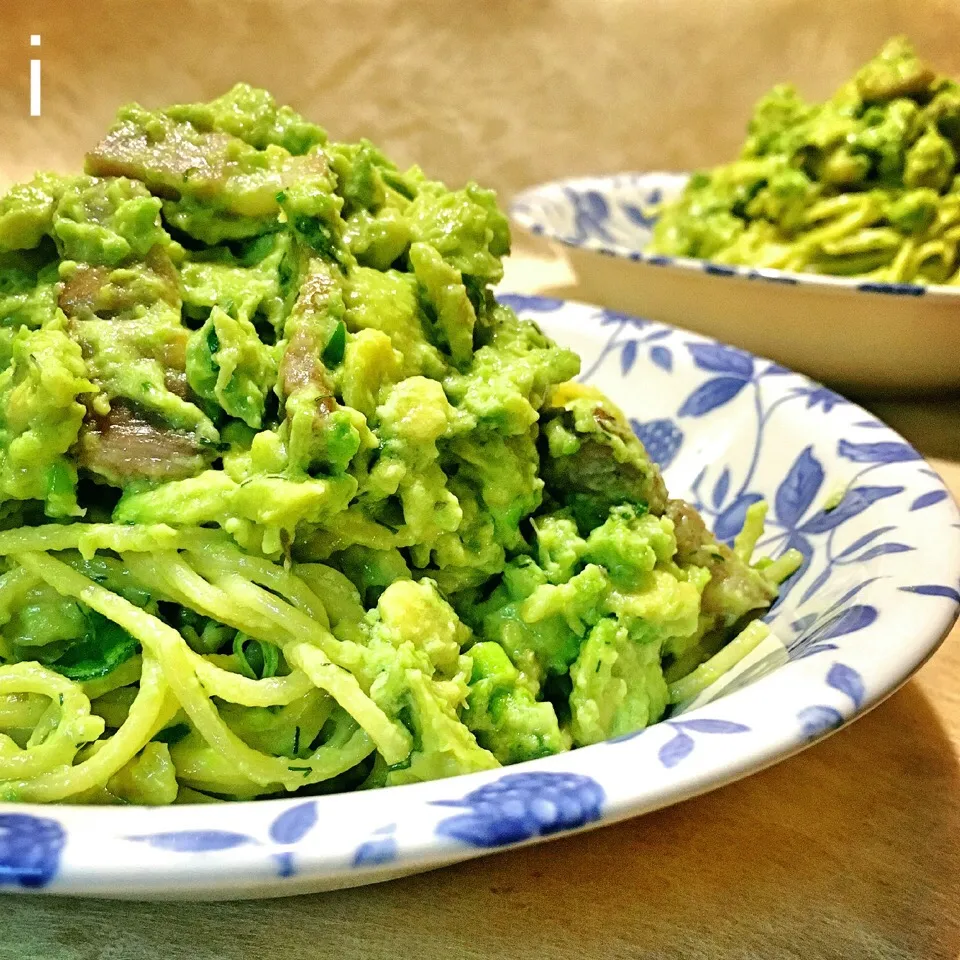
column 850, row 850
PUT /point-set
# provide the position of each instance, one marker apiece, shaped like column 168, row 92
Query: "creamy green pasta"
column 291, row 504
column 863, row 184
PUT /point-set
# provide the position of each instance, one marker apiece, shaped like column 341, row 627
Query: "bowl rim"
column 264, row 835
column 526, row 211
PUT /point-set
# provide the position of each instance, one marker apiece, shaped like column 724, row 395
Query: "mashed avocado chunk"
column 276, row 466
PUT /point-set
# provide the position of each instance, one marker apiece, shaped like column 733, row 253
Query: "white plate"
column 854, row 334
column 878, row 592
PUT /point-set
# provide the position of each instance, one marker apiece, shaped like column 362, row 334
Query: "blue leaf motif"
column 928, row 499
column 721, row 487
column 934, row 590
column 798, row 488
column 695, row 486
column 848, row 681
column 819, row 719
column 636, row 216
column 661, row 439
column 852, row 592
column 881, row 550
column 848, row 621
column 821, row 578
column 662, row 357
column 30, row 849
column 814, row 629
column 720, row 359
column 285, row 863
column 854, row 502
column 375, row 852
column 804, row 623
column 591, row 214
column 194, row 841
column 294, row 824
column 519, row 806
column 709, row 725
column 729, row 523
column 710, row 395
column 676, row 749
column 522, row 301
column 812, row 650
column 658, row 335
column 596, row 203
column 883, row 452
column 861, row 542
column 838, row 617
column 628, row 356
column 627, row 319
column 819, row 396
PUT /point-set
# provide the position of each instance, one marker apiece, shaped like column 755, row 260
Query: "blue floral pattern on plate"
column 681, row 744
column 879, row 586
column 381, row 848
column 30, row 849
column 519, row 806
column 615, row 216
column 819, row 718
column 287, row 829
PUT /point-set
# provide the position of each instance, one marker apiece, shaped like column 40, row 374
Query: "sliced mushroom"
column 123, row 445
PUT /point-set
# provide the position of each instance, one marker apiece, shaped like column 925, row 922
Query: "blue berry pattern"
column 520, row 806
column 661, row 438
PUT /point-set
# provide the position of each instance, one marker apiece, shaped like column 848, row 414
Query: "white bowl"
column 876, row 595
column 851, row 333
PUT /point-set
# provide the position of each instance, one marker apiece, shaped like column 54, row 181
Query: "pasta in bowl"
column 864, row 184
column 850, row 207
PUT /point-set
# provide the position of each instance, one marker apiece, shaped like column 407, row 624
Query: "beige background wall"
column 510, row 92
